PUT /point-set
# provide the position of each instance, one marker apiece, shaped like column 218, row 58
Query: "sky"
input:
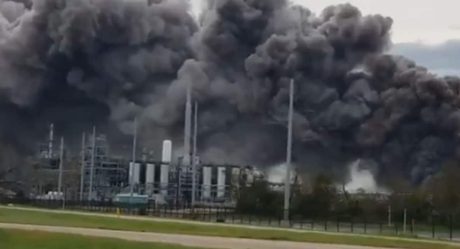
column 427, row 31
column 423, row 21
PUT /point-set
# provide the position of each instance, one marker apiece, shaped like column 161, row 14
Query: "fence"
column 439, row 226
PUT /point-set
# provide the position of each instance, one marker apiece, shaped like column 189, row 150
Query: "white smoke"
column 277, row 174
column 362, row 179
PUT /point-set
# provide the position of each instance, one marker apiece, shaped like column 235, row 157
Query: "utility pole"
column 61, row 165
column 133, row 164
column 93, row 157
column 195, row 137
column 82, row 171
column 287, row 183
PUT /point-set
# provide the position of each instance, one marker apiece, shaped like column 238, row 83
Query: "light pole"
column 287, row 183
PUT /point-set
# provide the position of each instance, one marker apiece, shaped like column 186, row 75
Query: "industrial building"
column 174, row 181
column 97, row 175
column 171, row 182
column 45, row 167
column 102, row 175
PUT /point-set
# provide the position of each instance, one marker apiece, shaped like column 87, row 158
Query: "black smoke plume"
column 83, row 62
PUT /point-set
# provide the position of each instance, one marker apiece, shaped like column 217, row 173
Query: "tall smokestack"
column 188, row 125
column 133, row 169
column 51, row 140
column 82, row 173
column 194, row 156
column 61, row 166
column 93, row 158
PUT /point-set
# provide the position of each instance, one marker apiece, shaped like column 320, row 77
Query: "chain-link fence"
column 394, row 223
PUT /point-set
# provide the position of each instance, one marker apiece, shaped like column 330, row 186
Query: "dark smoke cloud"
column 81, row 62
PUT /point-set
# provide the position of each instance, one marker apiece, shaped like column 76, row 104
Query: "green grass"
column 13, row 239
column 75, row 220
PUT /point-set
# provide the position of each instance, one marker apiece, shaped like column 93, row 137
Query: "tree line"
column 437, row 198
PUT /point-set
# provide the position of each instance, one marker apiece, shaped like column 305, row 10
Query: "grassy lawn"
column 12, row 239
column 75, row 220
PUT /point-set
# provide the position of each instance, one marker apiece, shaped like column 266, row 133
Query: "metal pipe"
column 61, row 165
column 287, row 183
column 93, row 157
column 195, row 137
column 82, row 173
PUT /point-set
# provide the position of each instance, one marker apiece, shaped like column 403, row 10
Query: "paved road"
column 186, row 240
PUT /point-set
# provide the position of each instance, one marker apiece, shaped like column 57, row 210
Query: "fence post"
column 338, row 224
column 412, row 224
column 352, row 225
column 325, row 225
column 210, row 214
column 405, row 221
column 365, row 225
column 451, row 226
column 433, row 226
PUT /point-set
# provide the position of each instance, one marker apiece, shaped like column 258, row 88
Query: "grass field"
column 75, row 220
column 12, row 239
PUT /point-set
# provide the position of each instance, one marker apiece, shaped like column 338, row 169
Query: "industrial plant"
column 96, row 175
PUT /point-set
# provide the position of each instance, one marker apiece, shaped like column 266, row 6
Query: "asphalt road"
column 185, row 240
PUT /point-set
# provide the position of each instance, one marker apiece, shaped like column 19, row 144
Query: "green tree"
column 259, row 199
column 320, row 202
column 444, row 189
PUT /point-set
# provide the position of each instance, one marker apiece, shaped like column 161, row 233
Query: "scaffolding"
column 108, row 176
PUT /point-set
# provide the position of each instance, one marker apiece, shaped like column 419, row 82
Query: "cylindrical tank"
column 134, row 173
column 206, row 187
column 221, row 178
column 150, row 177
column 166, row 159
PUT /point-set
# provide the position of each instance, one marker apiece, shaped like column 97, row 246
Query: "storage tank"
column 134, row 173
column 131, row 173
column 150, row 178
column 166, row 158
column 206, row 187
column 221, row 178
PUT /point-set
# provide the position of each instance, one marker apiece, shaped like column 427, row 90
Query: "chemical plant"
column 96, row 175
